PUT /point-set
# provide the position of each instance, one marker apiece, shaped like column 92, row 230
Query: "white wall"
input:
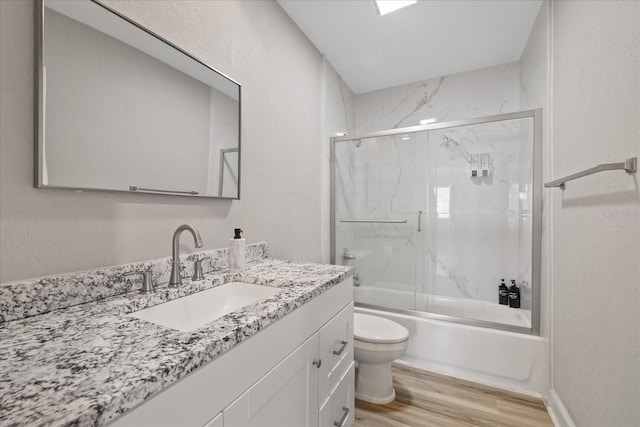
column 338, row 116
column 53, row 231
column 535, row 93
column 596, row 220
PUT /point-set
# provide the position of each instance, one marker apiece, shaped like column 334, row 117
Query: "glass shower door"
column 477, row 225
column 433, row 219
column 375, row 218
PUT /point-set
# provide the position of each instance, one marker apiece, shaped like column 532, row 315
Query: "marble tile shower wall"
column 376, row 182
column 472, row 229
column 27, row 298
column 478, row 93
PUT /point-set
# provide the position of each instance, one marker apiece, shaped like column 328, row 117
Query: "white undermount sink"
column 193, row 311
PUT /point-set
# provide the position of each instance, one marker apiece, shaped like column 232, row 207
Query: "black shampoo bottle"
column 514, row 295
column 503, row 293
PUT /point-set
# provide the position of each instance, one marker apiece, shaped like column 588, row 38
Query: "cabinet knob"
column 317, row 363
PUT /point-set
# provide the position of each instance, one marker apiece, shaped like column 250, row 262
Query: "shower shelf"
column 630, row 166
column 377, row 221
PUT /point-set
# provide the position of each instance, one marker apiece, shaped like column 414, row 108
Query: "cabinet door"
column 338, row 409
column 287, row 396
column 335, row 350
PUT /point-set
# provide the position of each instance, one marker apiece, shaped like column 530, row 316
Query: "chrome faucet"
column 176, row 279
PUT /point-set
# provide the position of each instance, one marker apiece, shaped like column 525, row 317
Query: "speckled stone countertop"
column 89, row 363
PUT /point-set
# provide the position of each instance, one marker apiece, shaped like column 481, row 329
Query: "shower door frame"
column 536, row 261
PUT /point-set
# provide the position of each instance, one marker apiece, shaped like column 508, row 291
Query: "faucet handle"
column 347, row 256
column 147, row 281
column 197, row 270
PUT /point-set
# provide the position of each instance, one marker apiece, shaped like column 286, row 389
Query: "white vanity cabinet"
column 337, row 372
column 311, row 387
column 286, row 396
column 297, row 372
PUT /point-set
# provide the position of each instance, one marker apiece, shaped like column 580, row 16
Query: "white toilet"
column 377, row 343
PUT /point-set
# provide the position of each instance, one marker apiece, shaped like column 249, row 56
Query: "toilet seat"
column 377, row 330
column 387, row 348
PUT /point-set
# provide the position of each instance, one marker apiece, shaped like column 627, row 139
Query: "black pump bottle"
column 503, row 293
column 514, row 295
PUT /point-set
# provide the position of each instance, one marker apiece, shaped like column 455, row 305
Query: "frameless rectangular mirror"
column 121, row 109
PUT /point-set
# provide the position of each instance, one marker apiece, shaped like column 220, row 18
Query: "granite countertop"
column 89, row 363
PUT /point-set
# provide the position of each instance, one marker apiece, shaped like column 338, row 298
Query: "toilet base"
column 377, row 401
column 374, row 383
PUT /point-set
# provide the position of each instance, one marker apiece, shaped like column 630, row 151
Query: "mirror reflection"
column 123, row 110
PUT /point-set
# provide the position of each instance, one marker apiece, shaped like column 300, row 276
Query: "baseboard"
column 557, row 411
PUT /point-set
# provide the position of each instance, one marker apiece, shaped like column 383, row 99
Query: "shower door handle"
column 419, row 221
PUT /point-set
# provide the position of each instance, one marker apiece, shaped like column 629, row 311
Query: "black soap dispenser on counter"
column 514, row 295
column 503, row 293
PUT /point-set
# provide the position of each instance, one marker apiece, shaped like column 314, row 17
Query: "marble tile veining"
column 475, row 93
column 89, row 363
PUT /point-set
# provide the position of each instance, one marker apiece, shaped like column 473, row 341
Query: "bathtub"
column 384, row 295
column 508, row 360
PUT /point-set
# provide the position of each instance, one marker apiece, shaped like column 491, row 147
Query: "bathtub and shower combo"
column 432, row 218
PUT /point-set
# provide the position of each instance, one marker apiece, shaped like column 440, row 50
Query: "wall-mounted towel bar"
column 377, row 221
column 630, row 166
column 134, row 188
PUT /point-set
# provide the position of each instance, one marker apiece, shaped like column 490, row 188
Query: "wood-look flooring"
column 428, row 399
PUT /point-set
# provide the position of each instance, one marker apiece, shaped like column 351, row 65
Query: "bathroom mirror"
column 121, row 109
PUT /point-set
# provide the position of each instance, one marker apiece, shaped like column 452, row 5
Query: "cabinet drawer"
column 338, row 410
column 335, row 350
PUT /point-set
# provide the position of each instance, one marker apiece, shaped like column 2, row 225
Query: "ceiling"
column 432, row 38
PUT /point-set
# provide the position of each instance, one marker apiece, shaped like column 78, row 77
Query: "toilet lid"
column 378, row 330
